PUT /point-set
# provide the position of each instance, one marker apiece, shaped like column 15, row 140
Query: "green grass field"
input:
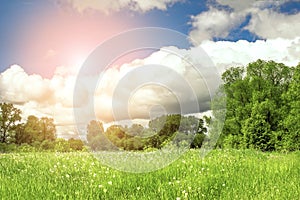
column 222, row 174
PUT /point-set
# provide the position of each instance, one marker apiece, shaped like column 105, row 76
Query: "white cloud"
column 226, row 53
column 214, row 23
column 116, row 5
column 265, row 20
column 19, row 87
column 270, row 24
column 246, row 5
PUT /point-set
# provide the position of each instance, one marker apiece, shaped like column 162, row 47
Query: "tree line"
column 40, row 133
column 174, row 128
column 34, row 134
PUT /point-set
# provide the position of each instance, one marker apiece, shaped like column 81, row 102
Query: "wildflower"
column 67, row 175
column 177, row 198
column 223, row 184
column 109, row 182
column 138, row 188
column 100, row 186
column 104, row 190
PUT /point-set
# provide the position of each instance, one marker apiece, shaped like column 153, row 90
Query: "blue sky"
column 44, row 43
column 19, row 17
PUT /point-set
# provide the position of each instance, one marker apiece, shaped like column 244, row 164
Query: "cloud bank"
column 54, row 97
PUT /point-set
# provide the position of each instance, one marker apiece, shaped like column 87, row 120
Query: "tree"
column 36, row 130
column 32, row 130
column 76, row 144
column 48, row 129
column 9, row 117
column 255, row 110
column 257, row 128
column 135, row 130
column 291, row 136
column 96, row 138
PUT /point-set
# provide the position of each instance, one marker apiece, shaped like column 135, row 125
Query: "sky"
column 44, row 44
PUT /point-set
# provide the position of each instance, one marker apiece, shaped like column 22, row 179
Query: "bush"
column 6, row 148
column 76, row 144
column 24, row 147
column 47, row 145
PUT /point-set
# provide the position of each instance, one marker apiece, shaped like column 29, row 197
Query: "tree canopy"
column 262, row 102
column 10, row 116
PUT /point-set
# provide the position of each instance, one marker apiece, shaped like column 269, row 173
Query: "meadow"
column 222, row 174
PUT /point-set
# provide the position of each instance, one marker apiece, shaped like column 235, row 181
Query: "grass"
column 222, row 174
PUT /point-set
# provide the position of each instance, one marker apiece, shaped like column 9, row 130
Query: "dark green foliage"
column 170, row 129
column 76, row 144
column 35, row 130
column 9, row 118
column 262, row 104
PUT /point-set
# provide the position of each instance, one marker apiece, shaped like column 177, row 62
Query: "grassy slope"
column 223, row 174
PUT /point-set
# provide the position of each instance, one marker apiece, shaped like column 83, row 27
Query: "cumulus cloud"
column 242, row 52
column 270, row 24
column 116, row 5
column 265, row 21
column 214, row 23
column 18, row 87
column 245, row 5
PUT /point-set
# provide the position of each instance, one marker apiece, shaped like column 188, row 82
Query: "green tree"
column 257, row 128
column 9, row 118
column 96, row 137
column 36, row 130
column 291, row 135
column 32, row 130
column 254, row 106
column 48, row 129
column 76, row 144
